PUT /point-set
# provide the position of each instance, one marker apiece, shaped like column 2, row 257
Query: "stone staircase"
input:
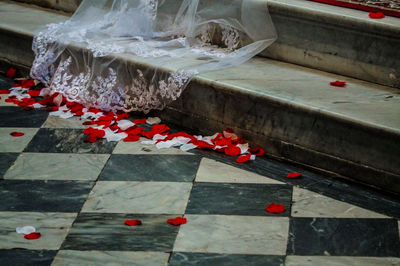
column 281, row 99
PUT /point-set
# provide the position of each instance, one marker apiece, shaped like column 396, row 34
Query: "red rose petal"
column 293, row 175
column 90, row 140
column 88, row 123
column 177, row 221
column 134, row 130
column 17, row 134
column 33, row 236
column 257, row 151
column 11, row 72
column 233, row 151
column 377, row 15
column 338, row 83
column 94, row 110
column 5, row 91
column 244, row 158
column 34, row 93
column 52, row 108
column 133, row 222
column 27, row 83
column 275, row 208
column 131, row 138
column 140, row 121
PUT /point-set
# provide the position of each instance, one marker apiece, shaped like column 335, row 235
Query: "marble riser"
column 302, row 136
column 328, row 38
column 361, row 144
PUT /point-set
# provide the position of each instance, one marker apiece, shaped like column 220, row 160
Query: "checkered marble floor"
column 79, row 194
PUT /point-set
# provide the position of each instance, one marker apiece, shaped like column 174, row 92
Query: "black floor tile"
column 184, row 258
column 66, row 141
column 43, row 196
column 238, row 199
column 92, row 231
column 350, row 192
column 11, row 116
column 26, row 257
column 6, row 160
column 126, row 167
column 344, row 237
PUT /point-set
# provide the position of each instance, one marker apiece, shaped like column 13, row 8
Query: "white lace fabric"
column 181, row 38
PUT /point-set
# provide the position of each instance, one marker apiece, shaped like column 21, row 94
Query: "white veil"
column 87, row 58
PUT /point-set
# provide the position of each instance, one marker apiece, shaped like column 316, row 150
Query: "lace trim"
column 106, row 92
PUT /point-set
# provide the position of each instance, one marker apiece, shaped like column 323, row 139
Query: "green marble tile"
column 75, row 257
column 138, row 197
column 9, row 143
column 53, row 227
column 58, row 166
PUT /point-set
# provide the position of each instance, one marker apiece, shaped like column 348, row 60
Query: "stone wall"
column 68, row 6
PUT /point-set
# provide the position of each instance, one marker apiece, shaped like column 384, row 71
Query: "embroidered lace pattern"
column 106, row 93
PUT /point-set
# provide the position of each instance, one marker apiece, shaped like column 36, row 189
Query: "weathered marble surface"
column 75, row 257
column 66, row 141
column 92, row 231
column 9, row 143
column 339, row 261
column 43, row 196
column 311, row 204
column 27, row 257
column 233, row 235
column 216, row 172
column 57, row 166
column 53, row 227
column 206, row 259
column 14, row 116
column 238, row 199
column 6, row 160
column 344, row 237
column 138, row 197
column 126, row 167
column 57, row 122
column 139, row 148
column 348, row 41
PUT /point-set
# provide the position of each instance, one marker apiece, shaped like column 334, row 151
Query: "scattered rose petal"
column 5, row 91
column 25, row 230
column 257, row 151
column 153, row 120
column 90, row 140
column 33, row 236
column 232, row 151
column 275, row 208
column 133, row 222
column 88, row 123
column 377, row 15
column 11, row 72
column 338, row 83
column 293, row 175
column 27, row 83
column 187, row 147
column 111, row 136
column 34, row 93
column 244, row 158
column 131, row 138
column 177, row 221
column 140, row 121
column 125, row 124
column 17, row 134
column 52, row 108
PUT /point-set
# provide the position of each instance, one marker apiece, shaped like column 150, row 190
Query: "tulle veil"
column 139, row 55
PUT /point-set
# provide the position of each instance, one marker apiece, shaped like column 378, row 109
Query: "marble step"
column 292, row 111
column 324, row 37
